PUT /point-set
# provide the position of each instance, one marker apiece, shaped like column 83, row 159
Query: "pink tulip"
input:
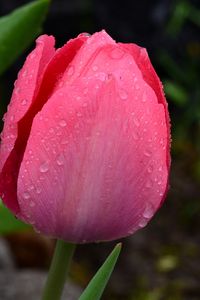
column 85, row 147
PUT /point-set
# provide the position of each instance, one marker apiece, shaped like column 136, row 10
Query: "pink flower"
column 85, row 147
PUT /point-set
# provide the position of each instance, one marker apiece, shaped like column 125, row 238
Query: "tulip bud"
column 84, row 154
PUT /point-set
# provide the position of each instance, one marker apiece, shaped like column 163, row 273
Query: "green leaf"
column 95, row 288
column 176, row 93
column 19, row 29
column 8, row 223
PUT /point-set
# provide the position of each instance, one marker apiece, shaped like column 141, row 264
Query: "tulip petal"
column 141, row 57
column 95, row 163
column 26, row 86
column 88, row 52
column 35, row 84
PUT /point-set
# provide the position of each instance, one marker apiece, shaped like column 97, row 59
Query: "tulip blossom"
column 84, row 151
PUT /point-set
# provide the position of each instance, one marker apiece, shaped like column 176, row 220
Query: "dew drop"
column 123, row 94
column 85, row 34
column 32, row 204
column 94, row 68
column 38, row 190
column 26, row 195
column 149, row 211
column 161, row 141
column 149, row 184
column 32, row 55
column 101, row 76
column 150, row 169
column 147, row 152
column 60, row 159
column 11, row 118
column 51, row 130
column 31, row 187
column 44, row 167
column 143, row 222
column 130, row 231
column 62, row 123
column 70, row 71
column 24, row 74
column 17, row 90
column 116, row 53
column 24, row 102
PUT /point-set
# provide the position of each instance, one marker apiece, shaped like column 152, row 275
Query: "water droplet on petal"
column 32, row 55
column 149, row 211
column 101, row 76
column 123, row 94
column 26, row 195
column 17, row 90
column 60, row 159
column 51, row 130
column 24, row 102
column 32, row 204
column 149, row 184
column 94, row 68
column 44, row 167
column 12, row 136
column 70, row 71
column 24, row 74
column 143, row 222
column 31, row 187
column 147, row 152
column 38, row 190
column 131, row 231
column 150, row 169
column 11, row 118
column 62, row 123
column 85, row 34
column 79, row 114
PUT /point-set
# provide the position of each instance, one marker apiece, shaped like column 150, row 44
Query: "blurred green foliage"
column 181, row 82
column 8, row 223
column 19, row 29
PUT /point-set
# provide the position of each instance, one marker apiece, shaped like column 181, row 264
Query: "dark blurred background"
column 162, row 261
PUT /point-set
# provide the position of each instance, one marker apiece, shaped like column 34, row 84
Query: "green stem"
column 58, row 270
